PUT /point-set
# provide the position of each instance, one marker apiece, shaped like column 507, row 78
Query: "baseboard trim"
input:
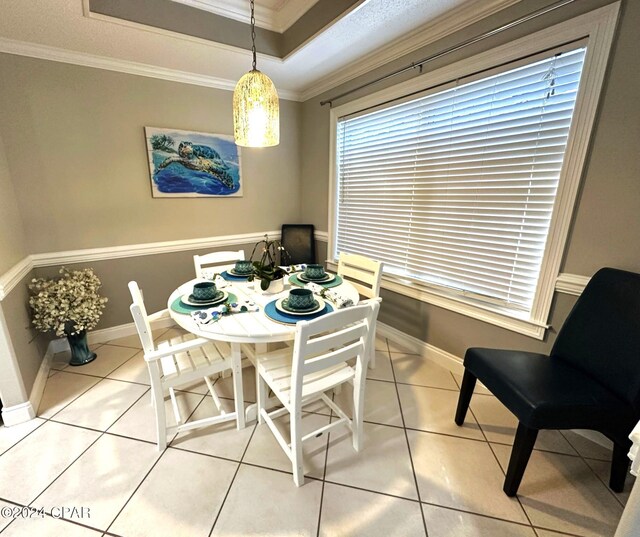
column 17, row 414
column 441, row 357
column 107, row 334
column 124, row 330
column 41, row 379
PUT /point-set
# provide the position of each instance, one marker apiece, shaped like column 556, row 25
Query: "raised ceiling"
column 366, row 34
column 276, row 15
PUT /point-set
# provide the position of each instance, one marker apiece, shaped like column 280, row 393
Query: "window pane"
column 457, row 188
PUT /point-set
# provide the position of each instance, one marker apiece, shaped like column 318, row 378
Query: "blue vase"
column 80, row 353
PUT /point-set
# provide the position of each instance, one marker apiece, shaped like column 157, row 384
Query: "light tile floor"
column 92, row 447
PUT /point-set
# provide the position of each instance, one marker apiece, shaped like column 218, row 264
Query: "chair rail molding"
column 150, row 248
column 14, row 275
column 571, row 284
column 322, row 236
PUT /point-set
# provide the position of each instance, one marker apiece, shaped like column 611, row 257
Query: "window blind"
column 456, row 188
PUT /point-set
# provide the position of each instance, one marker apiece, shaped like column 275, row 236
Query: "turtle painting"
column 202, row 164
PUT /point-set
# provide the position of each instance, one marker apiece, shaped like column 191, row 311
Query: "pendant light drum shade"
column 256, row 114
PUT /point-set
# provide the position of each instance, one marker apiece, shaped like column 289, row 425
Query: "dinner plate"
column 282, row 309
column 188, row 299
column 328, row 278
column 233, row 272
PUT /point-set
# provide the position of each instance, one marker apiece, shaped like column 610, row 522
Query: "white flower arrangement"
column 67, row 305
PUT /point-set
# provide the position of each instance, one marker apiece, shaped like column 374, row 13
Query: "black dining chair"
column 299, row 243
column 591, row 379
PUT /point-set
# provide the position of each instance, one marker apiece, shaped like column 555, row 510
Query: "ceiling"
column 369, row 33
column 276, row 15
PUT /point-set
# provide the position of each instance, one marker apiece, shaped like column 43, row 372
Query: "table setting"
column 309, row 293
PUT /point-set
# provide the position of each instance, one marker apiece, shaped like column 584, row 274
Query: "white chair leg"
column 238, row 395
column 358, row 414
column 161, row 419
column 296, row 448
column 372, row 351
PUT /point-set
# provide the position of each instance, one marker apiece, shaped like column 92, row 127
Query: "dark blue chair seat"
column 547, row 394
column 590, row 380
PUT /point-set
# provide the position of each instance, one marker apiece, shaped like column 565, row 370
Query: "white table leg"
column 251, row 413
column 238, row 393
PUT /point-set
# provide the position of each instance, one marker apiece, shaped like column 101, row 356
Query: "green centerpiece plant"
column 267, row 269
column 68, row 306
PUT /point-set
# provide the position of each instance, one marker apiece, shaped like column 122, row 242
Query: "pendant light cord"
column 253, row 34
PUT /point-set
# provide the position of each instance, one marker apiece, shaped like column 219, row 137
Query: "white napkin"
column 333, row 296
column 212, row 275
column 211, row 315
column 633, row 452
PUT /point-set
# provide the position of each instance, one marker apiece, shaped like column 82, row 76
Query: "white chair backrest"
column 140, row 318
column 363, row 273
column 332, row 339
column 216, row 260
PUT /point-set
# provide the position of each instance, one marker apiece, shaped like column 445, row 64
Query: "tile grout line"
column 272, row 469
column 232, row 480
column 406, row 436
column 324, row 471
column 614, row 494
column 153, row 465
column 102, row 433
column 500, row 467
column 136, row 489
column 75, row 398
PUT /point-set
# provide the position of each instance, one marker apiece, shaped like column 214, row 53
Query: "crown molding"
column 453, row 21
column 290, row 12
column 277, row 20
column 46, row 52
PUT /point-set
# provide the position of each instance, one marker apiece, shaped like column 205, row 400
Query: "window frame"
column 597, row 29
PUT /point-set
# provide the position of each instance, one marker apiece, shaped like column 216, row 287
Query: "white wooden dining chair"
column 180, row 361
column 206, row 265
column 317, row 364
column 365, row 275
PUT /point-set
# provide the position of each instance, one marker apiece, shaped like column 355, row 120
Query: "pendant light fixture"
column 256, row 121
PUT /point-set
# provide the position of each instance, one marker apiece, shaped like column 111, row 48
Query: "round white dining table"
column 247, row 327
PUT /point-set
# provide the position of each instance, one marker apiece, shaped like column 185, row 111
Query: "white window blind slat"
column 457, row 188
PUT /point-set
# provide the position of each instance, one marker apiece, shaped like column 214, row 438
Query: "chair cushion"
column 545, row 393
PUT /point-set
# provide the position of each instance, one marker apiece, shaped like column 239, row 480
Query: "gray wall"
column 12, row 241
column 606, row 227
column 75, row 144
column 72, row 139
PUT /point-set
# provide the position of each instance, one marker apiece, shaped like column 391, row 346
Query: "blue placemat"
column 274, row 314
column 293, row 279
column 232, row 278
column 180, row 307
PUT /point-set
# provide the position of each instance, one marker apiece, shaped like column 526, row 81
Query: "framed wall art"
column 192, row 164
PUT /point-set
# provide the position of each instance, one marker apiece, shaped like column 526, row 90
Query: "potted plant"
column 267, row 275
column 69, row 306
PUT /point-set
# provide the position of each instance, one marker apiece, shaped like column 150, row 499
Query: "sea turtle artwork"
column 192, row 164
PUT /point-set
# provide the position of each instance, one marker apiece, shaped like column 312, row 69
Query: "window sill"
column 514, row 321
